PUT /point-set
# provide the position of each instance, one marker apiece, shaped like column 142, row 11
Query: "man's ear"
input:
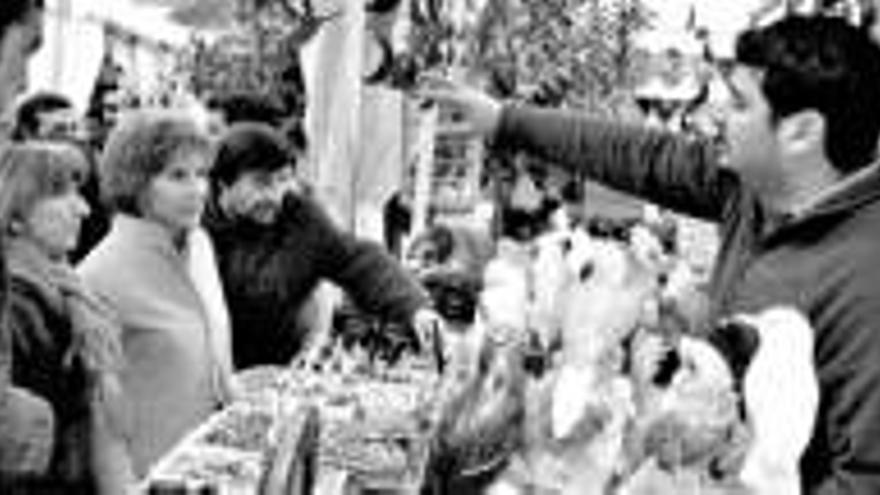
column 802, row 133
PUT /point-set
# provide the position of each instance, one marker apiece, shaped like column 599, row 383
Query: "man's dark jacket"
column 825, row 262
column 268, row 272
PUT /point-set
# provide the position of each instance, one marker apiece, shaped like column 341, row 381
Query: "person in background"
column 275, row 245
column 26, row 421
column 46, row 115
column 156, row 268
column 449, row 248
column 794, row 187
column 65, row 343
column 431, row 251
column 396, row 222
column 51, row 116
column 21, row 35
column 237, row 107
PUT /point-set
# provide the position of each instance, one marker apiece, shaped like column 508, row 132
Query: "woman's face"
column 54, row 222
column 176, row 197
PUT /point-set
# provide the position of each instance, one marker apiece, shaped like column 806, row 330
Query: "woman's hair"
column 139, row 148
column 33, row 171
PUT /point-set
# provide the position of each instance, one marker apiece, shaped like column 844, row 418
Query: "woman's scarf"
column 95, row 338
column 95, row 331
column 201, row 269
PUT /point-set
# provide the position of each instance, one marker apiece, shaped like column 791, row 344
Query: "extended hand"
column 479, row 112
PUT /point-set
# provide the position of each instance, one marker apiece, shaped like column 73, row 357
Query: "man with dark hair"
column 795, row 189
column 274, row 245
column 246, row 107
column 26, row 421
column 46, row 115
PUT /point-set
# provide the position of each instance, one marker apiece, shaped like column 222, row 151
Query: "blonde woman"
column 156, row 267
column 65, row 346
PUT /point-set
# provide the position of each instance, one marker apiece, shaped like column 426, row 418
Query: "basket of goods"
column 383, row 441
column 225, row 454
column 375, row 423
column 384, row 455
column 236, row 450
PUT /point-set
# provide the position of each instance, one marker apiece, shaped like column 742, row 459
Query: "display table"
column 234, row 453
column 298, row 433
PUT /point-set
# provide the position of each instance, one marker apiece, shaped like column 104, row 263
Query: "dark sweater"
column 268, row 272
column 825, row 262
column 41, row 337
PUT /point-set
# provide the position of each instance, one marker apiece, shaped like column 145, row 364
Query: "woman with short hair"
column 157, row 268
column 65, row 346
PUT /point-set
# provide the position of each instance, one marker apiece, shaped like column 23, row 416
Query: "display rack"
column 447, row 166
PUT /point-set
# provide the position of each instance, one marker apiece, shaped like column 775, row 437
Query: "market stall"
column 570, row 370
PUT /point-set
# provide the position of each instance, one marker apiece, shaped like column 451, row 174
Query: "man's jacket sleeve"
column 671, row 170
column 376, row 281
